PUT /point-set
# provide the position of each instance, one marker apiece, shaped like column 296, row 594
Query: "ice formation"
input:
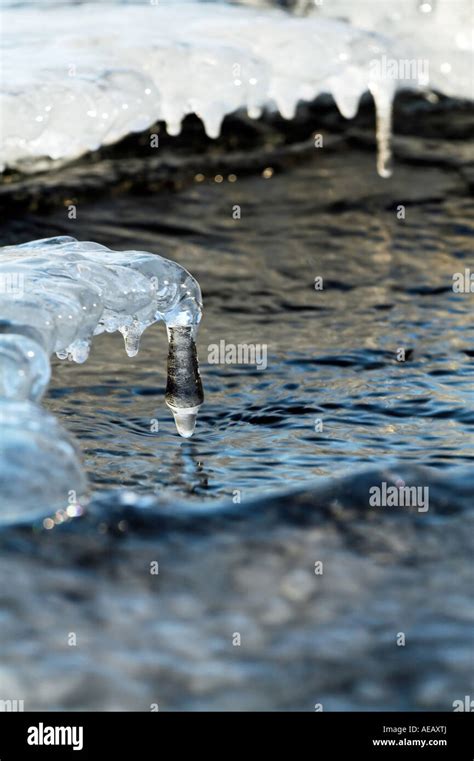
column 80, row 76
column 439, row 33
column 56, row 294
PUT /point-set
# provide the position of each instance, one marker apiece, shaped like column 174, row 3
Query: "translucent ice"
column 56, row 294
column 40, row 469
column 80, row 76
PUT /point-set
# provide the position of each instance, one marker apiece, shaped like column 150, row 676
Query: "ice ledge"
column 57, row 293
column 83, row 76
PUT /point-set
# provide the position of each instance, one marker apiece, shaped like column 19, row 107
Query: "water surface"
column 247, row 567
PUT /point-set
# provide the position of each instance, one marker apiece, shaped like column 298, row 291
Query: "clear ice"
column 56, row 294
column 80, row 76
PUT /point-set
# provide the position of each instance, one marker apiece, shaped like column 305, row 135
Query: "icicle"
column 184, row 394
column 173, row 128
column 212, row 117
column 383, row 94
column 347, row 100
column 286, row 102
column 131, row 336
column 254, row 112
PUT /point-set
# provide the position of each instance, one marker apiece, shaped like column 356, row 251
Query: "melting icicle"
column 383, row 99
column 131, row 336
column 184, row 394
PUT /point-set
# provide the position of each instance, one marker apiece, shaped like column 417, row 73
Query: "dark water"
column 238, row 516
